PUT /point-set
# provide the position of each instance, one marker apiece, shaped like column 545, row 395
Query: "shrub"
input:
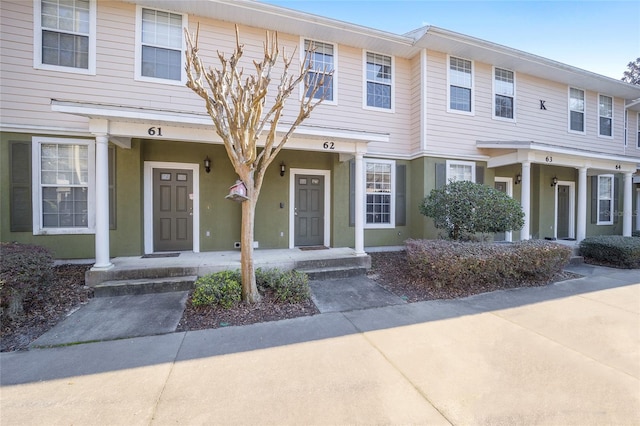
column 267, row 278
column 220, row 288
column 24, row 270
column 614, row 250
column 465, row 208
column 461, row 265
column 292, row 287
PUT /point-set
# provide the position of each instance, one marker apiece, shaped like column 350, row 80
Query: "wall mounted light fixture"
column 207, row 164
column 283, row 168
column 554, row 181
column 518, row 178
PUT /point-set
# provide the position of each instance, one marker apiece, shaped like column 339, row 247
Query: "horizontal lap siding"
column 457, row 133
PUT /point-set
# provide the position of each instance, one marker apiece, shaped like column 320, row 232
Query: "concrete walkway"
column 568, row 353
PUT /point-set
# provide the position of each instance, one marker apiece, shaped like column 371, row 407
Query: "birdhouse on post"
column 237, row 192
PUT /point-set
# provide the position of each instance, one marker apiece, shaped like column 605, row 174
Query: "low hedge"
column 613, row 250
column 24, row 270
column 465, row 264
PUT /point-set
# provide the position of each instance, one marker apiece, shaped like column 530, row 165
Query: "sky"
column 598, row 36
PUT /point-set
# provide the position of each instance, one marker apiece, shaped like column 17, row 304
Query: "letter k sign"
column 542, row 106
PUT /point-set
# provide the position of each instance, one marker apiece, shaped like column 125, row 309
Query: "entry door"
column 563, row 212
column 502, row 187
column 172, row 209
column 309, row 210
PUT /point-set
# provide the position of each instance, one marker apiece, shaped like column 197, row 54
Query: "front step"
column 334, row 268
column 333, row 273
column 144, row 286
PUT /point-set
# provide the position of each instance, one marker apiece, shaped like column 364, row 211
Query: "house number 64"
column 155, row 131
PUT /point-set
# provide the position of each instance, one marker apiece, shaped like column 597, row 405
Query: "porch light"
column 518, row 179
column 207, row 164
column 283, row 168
column 554, row 181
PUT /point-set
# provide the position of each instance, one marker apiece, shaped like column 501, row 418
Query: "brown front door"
column 172, row 209
column 309, row 210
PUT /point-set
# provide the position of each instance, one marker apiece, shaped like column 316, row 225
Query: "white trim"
column 148, row 200
column 334, row 78
column 327, row 202
column 460, row 163
column 513, row 95
column 612, row 116
column 37, row 42
column 584, row 111
column 637, row 212
column 472, row 112
column 638, row 132
column 364, row 82
column 138, row 49
column 36, row 190
column 572, row 208
column 508, row 235
column 613, row 198
column 423, row 99
column 392, row 195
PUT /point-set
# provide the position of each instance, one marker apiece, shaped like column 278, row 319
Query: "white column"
column 525, row 200
column 627, row 210
column 581, row 219
column 102, row 203
column 359, row 206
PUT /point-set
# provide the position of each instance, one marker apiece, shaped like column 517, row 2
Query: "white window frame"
column 602, row 116
column 392, row 195
column 364, row 82
column 450, row 163
column 512, row 96
column 612, row 199
column 638, row 136
column 36, row 150
column 334, row 78
column 449, row 84
column 584, row 111
column 37, row 42
column 138, row 49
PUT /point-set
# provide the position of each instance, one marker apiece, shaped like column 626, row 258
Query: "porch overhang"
column 515, row 152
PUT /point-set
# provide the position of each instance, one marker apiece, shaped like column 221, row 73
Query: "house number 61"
column 155, row 131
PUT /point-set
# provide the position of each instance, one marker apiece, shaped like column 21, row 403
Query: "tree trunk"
column 249, row 289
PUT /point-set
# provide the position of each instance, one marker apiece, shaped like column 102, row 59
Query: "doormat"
column 304, row 248
column 154, row 255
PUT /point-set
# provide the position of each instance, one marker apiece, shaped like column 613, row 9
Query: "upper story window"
column 605, row 116
column 159, row 45
column 576, row 110
column 380, row 200
column 605, row 200
column 460, row 81
column 379, row 81
column 323, row 60
column 461, row 170
column 63, row 185
column 64, row 35
column 504, row 93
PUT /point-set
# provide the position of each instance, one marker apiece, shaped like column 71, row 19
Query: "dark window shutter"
column 20, row 186
column 594, row 199
column 480, row 175
column 112, row 187
column 352, row 193
column 616, row 199
column 441, row 175
column 401, row 195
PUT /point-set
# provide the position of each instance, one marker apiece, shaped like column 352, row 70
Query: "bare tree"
column 632, row 74
column 241, row 114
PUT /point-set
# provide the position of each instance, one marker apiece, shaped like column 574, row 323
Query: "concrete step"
column 93, row 278
column 338, row 262
column 576, row 260
column 144, row 286
column 332, row 273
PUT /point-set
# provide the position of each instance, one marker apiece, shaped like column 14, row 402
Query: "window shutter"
column 401, row 195
column 480, row 174
column 352, row 193
column 594, row 199
column 441, row 175
column 616, row 199
column 20, row 186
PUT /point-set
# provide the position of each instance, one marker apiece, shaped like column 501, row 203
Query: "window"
column 63, row 181
column 159, row 45
column 379, row 79
column 379, row 203
column 461, row 170
column 576, row 110
column 605, row 116
column 504, row 93
column 460, row 85
column 64, row 35
column 322, row 61
column 605, row 200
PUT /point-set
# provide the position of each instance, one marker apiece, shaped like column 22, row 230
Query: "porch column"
column 359, row 205
column 627, row 210
column 525, row 200
column 102, row 203
column 581, row 219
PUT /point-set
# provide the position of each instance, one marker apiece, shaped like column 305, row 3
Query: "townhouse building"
column 105, row 152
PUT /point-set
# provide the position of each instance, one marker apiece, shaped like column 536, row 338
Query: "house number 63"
column 155, row 131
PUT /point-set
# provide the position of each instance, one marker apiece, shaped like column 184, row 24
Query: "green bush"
column 24, row 270
column 267, row 279
column 292, row 287
column 614, row 250
column 220, row 288
column 461, row 265
column 465, row 208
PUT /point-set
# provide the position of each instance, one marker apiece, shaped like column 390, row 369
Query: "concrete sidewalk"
column 568, row 353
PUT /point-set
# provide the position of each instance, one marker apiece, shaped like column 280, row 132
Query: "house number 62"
column 329, row 145
column 155, row 131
